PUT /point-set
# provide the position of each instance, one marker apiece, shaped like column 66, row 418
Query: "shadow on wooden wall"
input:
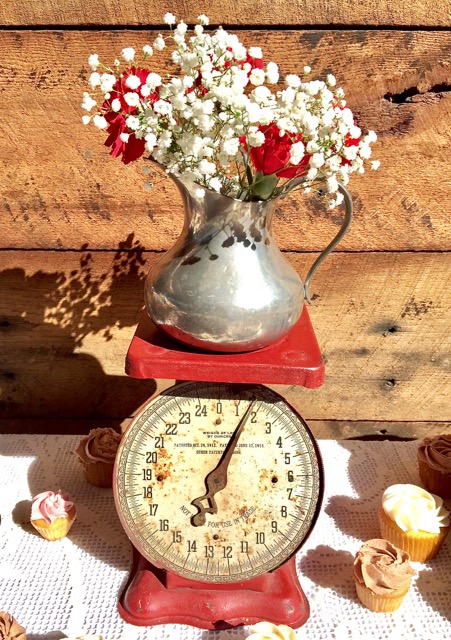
column 49, row 316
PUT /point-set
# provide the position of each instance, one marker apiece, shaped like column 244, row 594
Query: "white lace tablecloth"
column 71, row 586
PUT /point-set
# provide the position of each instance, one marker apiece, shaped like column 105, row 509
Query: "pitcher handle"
column 344, row 228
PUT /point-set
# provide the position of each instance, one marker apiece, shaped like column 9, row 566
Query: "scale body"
column 237, row 567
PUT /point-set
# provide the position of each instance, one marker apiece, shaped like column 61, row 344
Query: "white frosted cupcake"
column 270, row 631
column 414, row 520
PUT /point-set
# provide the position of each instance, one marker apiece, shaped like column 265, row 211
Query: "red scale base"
column 155, row 596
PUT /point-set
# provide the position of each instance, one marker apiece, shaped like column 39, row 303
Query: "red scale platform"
column 295, row 359
column 154, row 596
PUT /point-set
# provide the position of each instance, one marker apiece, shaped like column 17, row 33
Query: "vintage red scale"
column 218, row 482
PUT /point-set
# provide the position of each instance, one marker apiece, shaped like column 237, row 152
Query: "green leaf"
column 263, row 186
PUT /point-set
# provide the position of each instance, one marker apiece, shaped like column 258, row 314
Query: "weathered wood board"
column 245, row 12
column 66, row 319
column 60, row 189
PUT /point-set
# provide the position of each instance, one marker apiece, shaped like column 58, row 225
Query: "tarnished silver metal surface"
column 224, row 285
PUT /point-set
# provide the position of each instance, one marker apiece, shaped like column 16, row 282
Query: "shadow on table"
column 352, row 518
column 370, row 471
column 430, row 582
column 53, row 635
column 329, row 568
column 102, row 538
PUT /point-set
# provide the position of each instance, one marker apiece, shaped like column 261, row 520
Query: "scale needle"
column 216, row 480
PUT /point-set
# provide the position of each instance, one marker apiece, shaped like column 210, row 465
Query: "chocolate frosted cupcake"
column 97, row 452
column 382, row 575
column 434, row 464
column 10, row 629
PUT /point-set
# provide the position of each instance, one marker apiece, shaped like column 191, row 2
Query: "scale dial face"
column 273, row 481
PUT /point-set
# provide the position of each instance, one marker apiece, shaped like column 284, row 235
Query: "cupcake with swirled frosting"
column 10, row 629
column 97, row 452
column 270, row 631
column 52, row 514
column 414, row 520
column 434, row 464
column 382, row 575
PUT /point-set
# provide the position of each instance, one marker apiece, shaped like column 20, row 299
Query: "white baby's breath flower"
column 93, row 61
column 132, row 99
column 116, row 105
column 331, row 80
column 107, row 82
column 256, row 138
column 292, row 80
column 88, row 103
column 365, row 151
column 200, row 193
column 312, row 173
column 355, row 132
column 145, row 91
column 312, row 146
column 159, row 43
column 124, row 137
column 153, row 80
column 347, row 117
column 100, row 122
column 86, row 119
column 261, row 94
column 255, row 52
column 332, row 184
column 370, row 136
column 147, row 50
column 257, row 77
column 296, row 152
column 231, row 146
column 182, row 28
column 203, row 19
column 374, row 164
column 162, row 107
column 215, row 184
column 317, row 160
column 94, row 80
column 272, row 73
column 128, row 54
column 170, row 18
column 132, row 122
column 307, row 70
column 133, row 82
column 207, row 168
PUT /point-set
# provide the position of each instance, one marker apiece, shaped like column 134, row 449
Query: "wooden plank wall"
column 79, row 230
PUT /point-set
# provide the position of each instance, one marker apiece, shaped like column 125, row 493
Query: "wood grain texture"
column 66, row 320
column 60, row 189
column 266, row 12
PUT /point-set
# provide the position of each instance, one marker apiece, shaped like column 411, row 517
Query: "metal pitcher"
column 225, row 285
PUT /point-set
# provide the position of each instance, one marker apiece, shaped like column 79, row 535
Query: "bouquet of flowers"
column 225, row 122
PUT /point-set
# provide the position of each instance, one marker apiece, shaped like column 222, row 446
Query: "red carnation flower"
column 273, row 156
column 134, row 147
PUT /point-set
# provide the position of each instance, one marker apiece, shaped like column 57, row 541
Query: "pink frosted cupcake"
column 52, row 514
column 97, row 452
